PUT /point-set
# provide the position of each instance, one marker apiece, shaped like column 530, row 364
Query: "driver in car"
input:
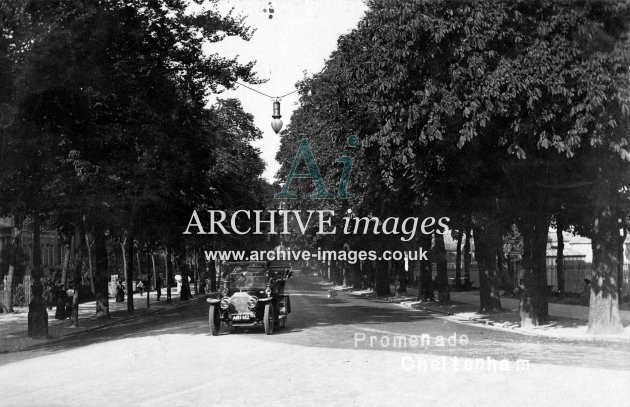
column 248, row 280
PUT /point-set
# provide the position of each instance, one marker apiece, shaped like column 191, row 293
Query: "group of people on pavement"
column 60, row 296
column 121, row 289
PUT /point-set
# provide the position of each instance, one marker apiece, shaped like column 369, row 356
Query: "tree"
column 481, row 108
column 512, row 95
column 116, row 107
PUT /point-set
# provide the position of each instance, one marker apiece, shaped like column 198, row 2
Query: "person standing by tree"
column 60, row 301
column 49, row 295
column 158, row 286
column 120, row 292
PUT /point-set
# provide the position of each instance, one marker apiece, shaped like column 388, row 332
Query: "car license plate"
column 241, row 318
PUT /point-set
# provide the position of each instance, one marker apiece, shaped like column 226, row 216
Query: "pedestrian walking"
column 49, row 295
column 60, row 301
column 120, row 292
column 69, row 300
column 158, row 287
column 140, row 287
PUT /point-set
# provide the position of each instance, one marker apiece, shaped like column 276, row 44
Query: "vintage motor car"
column 252, row 295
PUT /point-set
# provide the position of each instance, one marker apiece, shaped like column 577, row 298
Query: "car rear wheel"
column 269, row 319
column 214, row 320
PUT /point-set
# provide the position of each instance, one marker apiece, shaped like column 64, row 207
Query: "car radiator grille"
column 238, row 304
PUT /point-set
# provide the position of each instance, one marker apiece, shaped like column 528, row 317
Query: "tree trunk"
column 382, row 287
column 76, row 277
column 444, row 295
column 356, row 275
column 169, row 273
column 620, row 264
column 603, row 316
column 66, row 260
column 533, row 307
column 486, row 237
column 458, row 261
column 340, row 272
column 123, row 250
column 7, row 306
column 129, row 273
column 148, row 284
column 332, row 271
column 37, row 314
column 74, row 316
column 212, row 272
column 218, row 271
column 32, row 277
column 425, row 292
column 203, row 276
column 154, row 271
column 368, row 271
column 328, row 276
column 165, row 269
column 37, row 272
column 139, row 263
column 560, row 257
column 411, row 272
column 37, row 247
column 90, row 267
column 196, row 273
column 101, row 278
column 467, row 257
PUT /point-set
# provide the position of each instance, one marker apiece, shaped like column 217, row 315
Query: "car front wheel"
column 215, row 321
column 268, row 319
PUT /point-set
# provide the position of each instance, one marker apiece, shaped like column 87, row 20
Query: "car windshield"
column 277, row 272
column 243, row 280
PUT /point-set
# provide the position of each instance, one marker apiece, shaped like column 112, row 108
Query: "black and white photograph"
column 314, row 203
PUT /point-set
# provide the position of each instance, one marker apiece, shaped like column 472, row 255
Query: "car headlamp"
column 224, row 303
column 268, row 290
column 251, row 303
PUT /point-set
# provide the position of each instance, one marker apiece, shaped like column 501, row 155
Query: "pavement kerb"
column 199, row 299
column 521, row 331
column 500, row 325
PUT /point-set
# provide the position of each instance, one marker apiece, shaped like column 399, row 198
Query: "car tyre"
column 269, row 318
column 214, row 320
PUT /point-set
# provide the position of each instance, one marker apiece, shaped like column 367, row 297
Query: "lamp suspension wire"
column 264, row 94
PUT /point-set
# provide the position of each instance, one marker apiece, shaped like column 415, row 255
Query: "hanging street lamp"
column 276, row 123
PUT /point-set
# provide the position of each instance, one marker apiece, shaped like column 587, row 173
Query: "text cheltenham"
column 286, row 222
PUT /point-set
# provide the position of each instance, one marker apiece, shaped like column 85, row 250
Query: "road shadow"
column 316, row 321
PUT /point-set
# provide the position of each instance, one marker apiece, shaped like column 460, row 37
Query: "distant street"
column 159, row 358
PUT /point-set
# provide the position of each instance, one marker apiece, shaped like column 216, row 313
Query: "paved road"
column 343, row 321
column 170, row 359
column 349, row 322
